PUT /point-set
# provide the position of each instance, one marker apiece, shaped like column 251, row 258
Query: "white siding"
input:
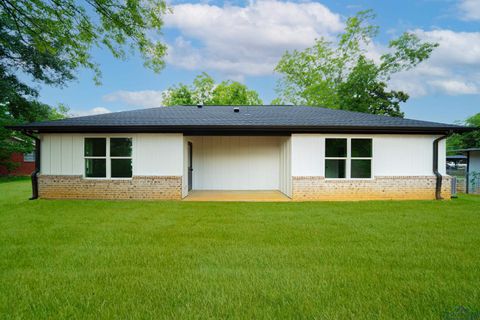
column 474, row 165
column 61, row 154
column 153, row 154
column 393, row 155
column 236, row 163
column 158, row 155
column 308, row 151
column 185, row 168
column 285, row 166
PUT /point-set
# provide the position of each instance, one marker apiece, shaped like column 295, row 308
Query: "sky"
column 243, row 41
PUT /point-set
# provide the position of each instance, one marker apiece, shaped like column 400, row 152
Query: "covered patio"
column 237, row 168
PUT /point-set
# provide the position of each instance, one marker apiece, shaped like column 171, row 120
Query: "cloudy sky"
column 243, row 40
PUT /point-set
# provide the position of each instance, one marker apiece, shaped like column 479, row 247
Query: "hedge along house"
column 306, row 153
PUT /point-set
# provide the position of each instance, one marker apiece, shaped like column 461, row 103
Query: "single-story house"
column 472, row 170
column 304, row 153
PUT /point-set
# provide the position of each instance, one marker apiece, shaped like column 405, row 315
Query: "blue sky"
column 243, row 40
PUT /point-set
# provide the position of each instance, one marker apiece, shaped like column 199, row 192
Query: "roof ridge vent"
column 236, row 109
column 199, row 106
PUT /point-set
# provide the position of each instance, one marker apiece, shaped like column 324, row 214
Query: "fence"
column 459, row 184
column 473, row 182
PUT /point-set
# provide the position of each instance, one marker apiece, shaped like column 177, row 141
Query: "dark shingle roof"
column 248, row 119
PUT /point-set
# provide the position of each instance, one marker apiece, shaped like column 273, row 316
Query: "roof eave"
column 198, row 130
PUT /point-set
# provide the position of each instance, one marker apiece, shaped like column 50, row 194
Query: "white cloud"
column 246, row 40
column 141, row 99
column 453, row 68
column 470, row 9
column 455, row 87
column 94, row 111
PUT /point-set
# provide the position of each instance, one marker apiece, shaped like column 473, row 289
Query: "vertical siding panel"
column 45, row 155
column 56, row 154
column 77, row 155
column 67, row 146
column 236, row 163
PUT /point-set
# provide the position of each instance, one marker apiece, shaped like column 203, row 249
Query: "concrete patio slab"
column 236, row 195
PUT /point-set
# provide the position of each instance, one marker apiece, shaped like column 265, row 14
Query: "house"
column 23, row 163
column 472, row 169
column 300, row 152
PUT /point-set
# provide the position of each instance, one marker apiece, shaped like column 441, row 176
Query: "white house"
column 304, row 153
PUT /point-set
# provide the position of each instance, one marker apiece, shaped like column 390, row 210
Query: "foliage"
column 467, row 139
column 18, row 105
column 19, row 111
column 341, row 76
column 87, row 259
column 49, row 40
column 205, row 91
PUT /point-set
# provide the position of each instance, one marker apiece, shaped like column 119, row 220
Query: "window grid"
column 108, row 159
column 348, row 160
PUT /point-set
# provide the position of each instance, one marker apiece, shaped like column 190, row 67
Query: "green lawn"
column 361, row 260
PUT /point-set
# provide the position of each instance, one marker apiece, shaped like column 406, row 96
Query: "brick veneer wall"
column 139, row 187
column 379, row 188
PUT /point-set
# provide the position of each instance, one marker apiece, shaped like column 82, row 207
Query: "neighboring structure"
column 24, row 165
column 307, row 153
column 456, row 162
column 472, row 170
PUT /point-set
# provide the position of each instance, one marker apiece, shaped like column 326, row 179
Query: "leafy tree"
column 49, row 40
column 205, row 91
column 20, row 110
column 467, row 139
column 340, row 75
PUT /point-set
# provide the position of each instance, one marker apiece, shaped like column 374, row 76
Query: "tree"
column 18, row 105
column 340, row 75
column 49, row 40
column 205, row 91
column 467, row 139
column 17, row 111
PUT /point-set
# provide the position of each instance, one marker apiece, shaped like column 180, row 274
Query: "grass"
column 362, row 260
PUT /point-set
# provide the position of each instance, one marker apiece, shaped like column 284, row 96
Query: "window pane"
column 95, row 168
column 121, row 168
column 336, row 148
column 95, row 147
column 361, row 148
column 335, row 168
column 120, row 147
column 29, row 157
column 361, row 169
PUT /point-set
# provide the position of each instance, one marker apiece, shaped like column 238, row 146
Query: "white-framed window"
column 108, row 157
column 348, row 158
column 29, row 157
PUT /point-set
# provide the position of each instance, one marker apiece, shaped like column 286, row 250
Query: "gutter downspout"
column 438, row 182
column 35, row 173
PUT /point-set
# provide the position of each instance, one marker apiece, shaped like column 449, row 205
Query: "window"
column 29, row 157
column 361, row 165
column 108, row 157
column 350, row 158
column 336, row 158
